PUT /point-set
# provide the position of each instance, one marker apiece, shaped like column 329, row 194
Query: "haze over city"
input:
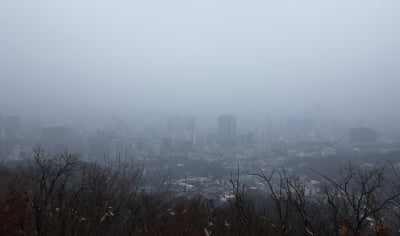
column 212, row 117
column 257, row 58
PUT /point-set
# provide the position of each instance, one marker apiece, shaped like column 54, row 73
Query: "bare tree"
column 360, row 195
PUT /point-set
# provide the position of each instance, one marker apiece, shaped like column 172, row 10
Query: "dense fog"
column 201, row 58
column 207, row 117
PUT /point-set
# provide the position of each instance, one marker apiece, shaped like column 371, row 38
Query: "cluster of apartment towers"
column 183, row 128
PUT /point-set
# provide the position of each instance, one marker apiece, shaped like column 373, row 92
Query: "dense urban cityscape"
column 218, row 161
column 200, row 156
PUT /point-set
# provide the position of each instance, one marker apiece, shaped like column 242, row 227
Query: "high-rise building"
column 1, row 127
column 363, row 135
column 10, row 126
column 182, row 129
column 117, row 149
column 54, row 137
column 226, row 131
column 59, row 137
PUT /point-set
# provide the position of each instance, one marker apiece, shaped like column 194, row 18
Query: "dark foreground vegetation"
column 60, row 195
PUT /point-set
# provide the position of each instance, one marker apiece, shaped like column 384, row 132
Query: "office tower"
column 226, row 131
column 10, row 126
column 363, row 135
column 117, row 149
column 54, row 137
column 59, row 137
column 182, row 129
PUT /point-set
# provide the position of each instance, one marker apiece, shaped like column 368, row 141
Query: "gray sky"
column 204, row 56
